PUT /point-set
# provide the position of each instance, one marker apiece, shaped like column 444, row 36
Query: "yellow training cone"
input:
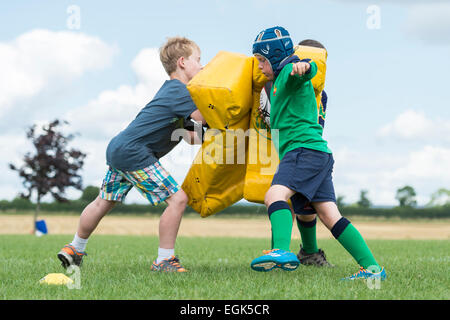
column 56, row 279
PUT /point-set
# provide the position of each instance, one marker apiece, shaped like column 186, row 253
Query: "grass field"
column 118, row 268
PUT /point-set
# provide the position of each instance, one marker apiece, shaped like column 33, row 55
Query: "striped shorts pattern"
column 154, row 182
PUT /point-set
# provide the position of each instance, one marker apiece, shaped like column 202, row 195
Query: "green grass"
column 118, row 268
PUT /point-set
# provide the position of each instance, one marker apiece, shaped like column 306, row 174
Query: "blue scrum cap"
column 274, row 44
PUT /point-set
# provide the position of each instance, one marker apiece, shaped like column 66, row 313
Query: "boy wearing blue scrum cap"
column 306, row 218
column 306, row 162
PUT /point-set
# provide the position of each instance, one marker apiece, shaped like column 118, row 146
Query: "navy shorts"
column 308, row 173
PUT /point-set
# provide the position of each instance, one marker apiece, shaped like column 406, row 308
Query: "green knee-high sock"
column 350, row 238
column 281, row 220
column 308, row 234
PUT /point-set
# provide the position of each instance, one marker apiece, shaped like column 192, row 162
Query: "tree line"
column 406, row 197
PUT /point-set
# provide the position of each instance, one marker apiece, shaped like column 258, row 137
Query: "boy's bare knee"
column 328, row 213
column 271, row 198
column 179, row 198
column 277, row 193
column 104, row 204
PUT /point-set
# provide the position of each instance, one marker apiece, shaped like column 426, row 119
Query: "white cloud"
column 412, row 124
column 148, row 68
column 429, row 163
column 40, row 59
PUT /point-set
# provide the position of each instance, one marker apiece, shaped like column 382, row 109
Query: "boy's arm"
column 194, row 133
column 304, row 70
column 197, row 116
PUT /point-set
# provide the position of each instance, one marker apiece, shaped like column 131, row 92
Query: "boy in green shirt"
column 306, row 162
column 306, row 218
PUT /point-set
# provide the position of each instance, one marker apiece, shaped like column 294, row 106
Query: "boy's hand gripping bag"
column 222, row 92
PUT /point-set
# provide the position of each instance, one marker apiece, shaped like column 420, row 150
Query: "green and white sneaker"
column 366, row 274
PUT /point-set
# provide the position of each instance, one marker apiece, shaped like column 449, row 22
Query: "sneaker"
column 313, row 259
column 70, row 256
column 171, row 264
column 366, row 274
column 275, row 258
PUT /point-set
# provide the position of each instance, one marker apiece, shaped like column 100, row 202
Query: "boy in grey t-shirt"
column 133, row 158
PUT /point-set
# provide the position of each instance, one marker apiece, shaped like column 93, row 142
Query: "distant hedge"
column 256, row 209
column 398, row 212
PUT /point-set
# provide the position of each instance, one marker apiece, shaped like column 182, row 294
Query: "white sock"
column 79, row 243
column 164, row 254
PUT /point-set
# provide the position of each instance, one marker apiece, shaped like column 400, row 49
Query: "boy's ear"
column 180, row 62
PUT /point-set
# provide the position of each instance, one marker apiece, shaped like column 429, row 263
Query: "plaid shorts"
column 153, row 182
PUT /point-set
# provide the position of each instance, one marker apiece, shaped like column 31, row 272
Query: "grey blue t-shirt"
column 148, row 137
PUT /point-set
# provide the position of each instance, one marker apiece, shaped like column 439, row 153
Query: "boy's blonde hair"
column 173, row 49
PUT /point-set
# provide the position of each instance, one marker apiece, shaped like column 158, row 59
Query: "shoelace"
column 360, row 271
column 269, row 251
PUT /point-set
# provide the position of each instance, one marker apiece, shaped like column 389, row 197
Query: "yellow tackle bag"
column 222, row 92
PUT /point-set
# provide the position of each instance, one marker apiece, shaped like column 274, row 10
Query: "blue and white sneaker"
column 366, row 274
column 275, row 258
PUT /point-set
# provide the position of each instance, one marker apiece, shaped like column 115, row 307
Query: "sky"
column 96, row 64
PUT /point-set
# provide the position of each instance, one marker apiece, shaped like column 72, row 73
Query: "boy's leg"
column 280, row 216
column 347, row 235
column 114, row 188
column 91, row 216
column 169, row 223
column 73, row 253
column 310, row 253
column 157, row 185
column 306, row 224
column 306, row 218
column 89, row 220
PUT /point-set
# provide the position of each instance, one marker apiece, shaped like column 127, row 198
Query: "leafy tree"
column 52, row 167
column 406, row 197
column 90, row 193
column 440, row 198
column 364, row 201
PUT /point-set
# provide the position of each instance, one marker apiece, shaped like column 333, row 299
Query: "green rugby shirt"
column 294, row 112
